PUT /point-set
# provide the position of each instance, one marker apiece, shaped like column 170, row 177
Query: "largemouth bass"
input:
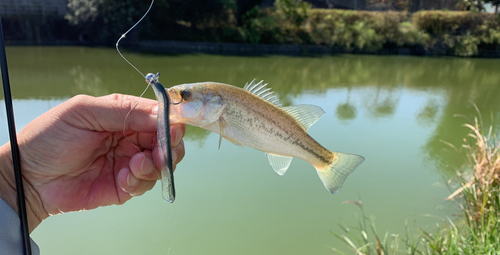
column 253, row 117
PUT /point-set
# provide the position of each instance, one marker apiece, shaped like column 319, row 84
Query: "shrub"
column 460, row 33
column 292, row 22
column 361, row 30
column 294, row 11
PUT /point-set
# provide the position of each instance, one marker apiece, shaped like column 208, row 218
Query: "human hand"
column 76, row 156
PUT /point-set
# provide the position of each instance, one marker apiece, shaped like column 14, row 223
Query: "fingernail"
column 178, row 137
column 155, row 110
column 131, row 180
column 145, row 170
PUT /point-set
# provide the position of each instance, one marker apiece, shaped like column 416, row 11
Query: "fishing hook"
column 178, row 102
column 153, row 78
column 163, row 121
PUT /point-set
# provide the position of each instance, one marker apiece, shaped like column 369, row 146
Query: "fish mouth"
column 172, row 102
column 174, row 96
column 175, row 114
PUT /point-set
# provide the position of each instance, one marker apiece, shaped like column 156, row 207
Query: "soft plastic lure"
column 163, row 123
column 163, row 136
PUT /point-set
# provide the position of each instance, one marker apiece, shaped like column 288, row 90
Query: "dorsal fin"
column 305, row 114
column 261, row 90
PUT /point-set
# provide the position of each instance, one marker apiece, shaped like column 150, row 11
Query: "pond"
column 396, row 111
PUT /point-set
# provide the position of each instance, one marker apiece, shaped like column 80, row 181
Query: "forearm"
column 7, row 181
column 8, row 191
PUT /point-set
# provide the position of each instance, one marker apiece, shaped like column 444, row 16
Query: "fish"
column 253, row 117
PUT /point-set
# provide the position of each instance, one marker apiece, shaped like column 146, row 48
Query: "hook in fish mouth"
column 185, row 96
column 170, row 99
column 153, row 78
column 177, row 102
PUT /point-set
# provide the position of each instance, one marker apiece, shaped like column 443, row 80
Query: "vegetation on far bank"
column 101, row 22
column 455, row 33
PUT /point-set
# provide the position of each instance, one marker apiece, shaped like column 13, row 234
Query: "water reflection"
column 196, row 134
column 346, row 111
column 86, row 81
column 382, row 104
column 393, row 110
column 51, row 72
column 429, row 113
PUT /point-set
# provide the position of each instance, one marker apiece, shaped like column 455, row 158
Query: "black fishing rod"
column 16, row 159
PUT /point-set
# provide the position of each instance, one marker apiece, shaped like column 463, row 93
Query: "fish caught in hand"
column 253, row 117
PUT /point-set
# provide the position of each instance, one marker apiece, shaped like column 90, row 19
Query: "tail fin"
column 334, row 175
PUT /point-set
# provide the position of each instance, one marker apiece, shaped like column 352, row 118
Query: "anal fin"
column 279, row 163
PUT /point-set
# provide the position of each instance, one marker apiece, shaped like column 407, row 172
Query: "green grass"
column 364, row 239
column 476, row 231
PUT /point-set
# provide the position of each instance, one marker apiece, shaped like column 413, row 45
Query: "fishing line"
column 152, row 82
column 124, row 34
column 173, row 223
column 126, row 60
column 163, row 122
column 16, row 159
column 125, row 122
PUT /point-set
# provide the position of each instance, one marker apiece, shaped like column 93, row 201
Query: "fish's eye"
column 185, row 94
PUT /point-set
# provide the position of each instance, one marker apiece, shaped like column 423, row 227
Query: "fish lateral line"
column 252, row 116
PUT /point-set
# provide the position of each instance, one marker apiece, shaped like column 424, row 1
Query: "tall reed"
column 478, row 197
column 476, row 232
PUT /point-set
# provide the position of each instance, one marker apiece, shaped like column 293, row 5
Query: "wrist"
column 7, row 181
column 8, row 191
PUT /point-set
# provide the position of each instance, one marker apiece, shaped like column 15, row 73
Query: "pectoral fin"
column 279, row 163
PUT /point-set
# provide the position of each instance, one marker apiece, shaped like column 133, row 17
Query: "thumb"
column 113, row 113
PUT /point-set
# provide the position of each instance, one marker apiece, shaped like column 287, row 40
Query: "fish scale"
column 253, row 117
column 267, row 132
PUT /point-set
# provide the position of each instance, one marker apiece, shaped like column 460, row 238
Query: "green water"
column 392, row 110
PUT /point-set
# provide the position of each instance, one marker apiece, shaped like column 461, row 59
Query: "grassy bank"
column 422, row 33
column 287, row 22
column 425, row 32
column 475, row 231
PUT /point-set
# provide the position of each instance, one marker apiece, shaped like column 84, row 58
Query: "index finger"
column 113, row 113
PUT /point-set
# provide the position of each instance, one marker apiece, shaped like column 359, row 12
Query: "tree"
column 295, row 11
column 472, row 5
column 243, row 6
column 103, row 21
